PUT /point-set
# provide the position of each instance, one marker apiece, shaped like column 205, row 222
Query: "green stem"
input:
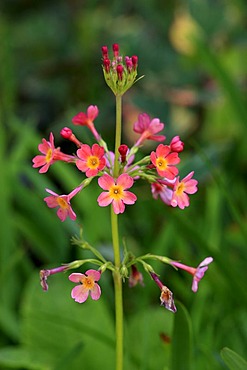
column 116, row 248
column 118, row 133
column 118, row 293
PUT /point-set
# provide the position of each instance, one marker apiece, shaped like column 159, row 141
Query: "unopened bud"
column 66, row 133
column 123, row 149
column 120, row 70
column 115, row 48
column 104, row 52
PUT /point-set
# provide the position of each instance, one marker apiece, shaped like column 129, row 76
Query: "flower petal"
column 94, row 274
column 118, row 206
column 125, row 181
column 76, row 277
column 95, row 292
column 106, row 181
column 129, row 197
column 79, row 293
column 206, row 261
column 97, row 150
column 104, row 199
column 84, row 152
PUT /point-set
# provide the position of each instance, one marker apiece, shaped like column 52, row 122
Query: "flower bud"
column 119, row 75
column 176, row 144
column 123, row 149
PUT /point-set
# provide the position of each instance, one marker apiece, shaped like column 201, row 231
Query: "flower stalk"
column 116, row 248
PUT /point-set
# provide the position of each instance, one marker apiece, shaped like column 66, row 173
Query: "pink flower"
column 63, row 202
column 166, row 297
column 176, row 145
column 91, row 160
column 86, row 119
column 116, row 194
column 51, row 155
column 197, row 273
column 163, row 159
column 87, row 285
column 161, row 189
column 181, row 189
column 148, row 128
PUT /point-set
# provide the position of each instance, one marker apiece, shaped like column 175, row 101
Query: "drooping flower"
column 181, row 189
column 161, row 189
column 87, row 119
column 148, row 129
column 50, row 155
column 45, row 273
column 63, row 202
column 197, row 272
column 87, row 285
column 136, row 277
column 164, row 160
column 166, row 297
column 116, row 192
column 91, row 159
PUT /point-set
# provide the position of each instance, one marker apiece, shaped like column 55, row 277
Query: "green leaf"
column 17, row 358
column 148, row 339
column 233, row 360
column 181, row 353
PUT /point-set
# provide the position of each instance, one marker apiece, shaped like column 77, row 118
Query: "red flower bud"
column 123, row 149
column 134, row 61
column 107, row 65
column 66, row 133
column 105, row 52
column 115, row 48
column 120, row 70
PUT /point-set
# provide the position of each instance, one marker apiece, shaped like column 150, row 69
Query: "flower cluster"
column 159, row 169
column 116, row 173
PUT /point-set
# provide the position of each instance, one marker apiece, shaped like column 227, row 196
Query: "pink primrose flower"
column 148, row 128
column 91, row 159
column 50, row 154
column 87, row 285
column 181, row 189
column 86, row 119
column 197, row 272
column 164, row 160
column 63, row 202
column 116, row 192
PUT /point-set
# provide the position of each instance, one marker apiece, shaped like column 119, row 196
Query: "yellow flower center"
column 62, row 203
column 48, row 156
column 161, row 163
column 93, row 162
column 180, row 188
column 116, row 192
column 88, row 282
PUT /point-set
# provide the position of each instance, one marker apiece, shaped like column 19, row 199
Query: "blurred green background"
column 193, row 55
